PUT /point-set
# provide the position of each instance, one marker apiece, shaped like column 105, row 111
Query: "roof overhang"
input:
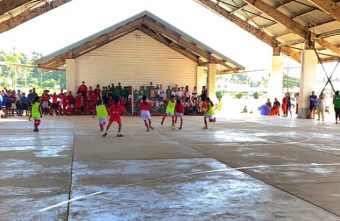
column 16, row 12
column 151, row 25
column 288, row 26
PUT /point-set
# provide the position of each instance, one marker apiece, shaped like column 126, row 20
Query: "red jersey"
column 54, row 99
column 93, row 98
column 145, row 106
column 62, row 96
column 91, row 93
column 115, row 112
column 82, row 87
column 179, row 108
column 97, row 92
column 70, row 99
column 45, row 97
column 78, row 99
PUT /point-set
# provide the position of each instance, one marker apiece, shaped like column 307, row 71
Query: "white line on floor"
column 189, row 174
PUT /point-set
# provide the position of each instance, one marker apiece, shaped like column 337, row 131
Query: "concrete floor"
column 247, row 168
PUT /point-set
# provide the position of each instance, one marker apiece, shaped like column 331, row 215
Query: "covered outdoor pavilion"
column 243, row 167
column 296, row 28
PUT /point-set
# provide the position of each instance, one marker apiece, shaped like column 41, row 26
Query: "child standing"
column 209, row 113
column 170, row 110
column 101, row 114
column 179, row 112
column 115, row 113
column 36, row 113
column 145, row 107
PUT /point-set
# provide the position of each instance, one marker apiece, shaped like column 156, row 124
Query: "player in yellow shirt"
column 101, row 114
column 36, row 113
column 209, row 113
column 170, row 110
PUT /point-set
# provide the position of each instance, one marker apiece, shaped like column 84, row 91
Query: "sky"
column 81, row 18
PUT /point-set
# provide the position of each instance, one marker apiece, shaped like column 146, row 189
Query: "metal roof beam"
column 29, row 14
column 293, row 26
column 280, row 17
column 258, row 33
column 329, row 7
column 8, row 5
column 327, row 45
column 238, row 21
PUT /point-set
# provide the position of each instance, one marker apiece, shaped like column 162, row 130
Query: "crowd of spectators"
column 17, row 102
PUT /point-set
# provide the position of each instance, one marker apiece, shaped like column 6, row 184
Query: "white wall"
column 135, row 61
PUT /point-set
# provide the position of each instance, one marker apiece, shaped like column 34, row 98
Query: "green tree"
column 290, row 82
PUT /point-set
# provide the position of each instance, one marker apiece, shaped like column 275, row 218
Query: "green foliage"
column 239, row 95
column 256, row 95
column 290, row 82
column 219, row 94
column 17, row 71
column 245, row 79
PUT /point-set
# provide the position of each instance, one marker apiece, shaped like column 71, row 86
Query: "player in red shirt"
column 45, row 102
column 78, row 105
column 70, row 103
column 97, row 91
column 145, row 107
column 54, row 109
column 115, row 112
column 63, row 102
column 82, row 89
column 179, row 112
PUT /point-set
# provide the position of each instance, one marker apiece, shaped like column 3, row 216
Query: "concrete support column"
column 307, row 81
column 211, row 81
column 71, row 75
column 200, row 78
column 275, row 78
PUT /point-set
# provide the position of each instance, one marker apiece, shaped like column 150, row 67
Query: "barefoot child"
column 36, row 113
column 179, row 112
column 170, row 110
column 115, row 112
column 145, row 107
column 209, row 113
column 101, row 114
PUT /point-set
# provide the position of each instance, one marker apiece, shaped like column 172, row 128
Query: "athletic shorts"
column 170, row 113
column 45, row 104
column 180, row 115
column 145, row 115
column 312, row 107
column 102, row 120
column 114, row 118
column 208, row 117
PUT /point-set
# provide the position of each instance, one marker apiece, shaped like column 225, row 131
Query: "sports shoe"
column 174, row 127
column 180, row 128
column 162, row 123
column 148, row 130
column 105, row 134
column 205, row 127
column 120, row 135
column 151, row 128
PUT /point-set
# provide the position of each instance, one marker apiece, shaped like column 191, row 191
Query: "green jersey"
column 36, row 110
column 210, row 110
column 101, row 111
column 336, row 101
column 170, row 108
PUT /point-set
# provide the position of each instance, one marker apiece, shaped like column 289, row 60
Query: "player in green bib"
column 101, row 114
column 209, row 113
column 170, row 110
column 36, row 113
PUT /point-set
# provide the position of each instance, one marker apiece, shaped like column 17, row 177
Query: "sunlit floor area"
column 241, row 168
